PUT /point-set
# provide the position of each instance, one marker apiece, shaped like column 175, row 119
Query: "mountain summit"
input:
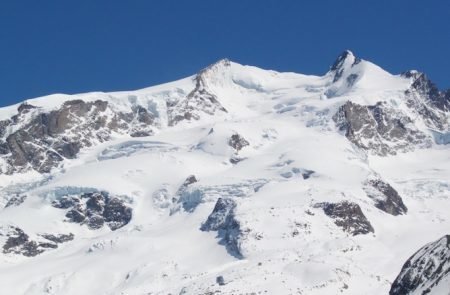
column 233, row 180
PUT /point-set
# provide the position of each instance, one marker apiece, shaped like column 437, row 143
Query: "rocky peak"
column 344, row 62
column 422, row 85
column 200, row 100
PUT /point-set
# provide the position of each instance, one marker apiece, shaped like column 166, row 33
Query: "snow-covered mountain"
column 236, row 180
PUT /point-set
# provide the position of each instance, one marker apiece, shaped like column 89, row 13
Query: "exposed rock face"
column 95, row 209
column 385, row 196
column 18, row 242
column 379, row 129
column 348, row 216
column 222, row 211
column 237, row 142
column 198, row 101
column 431, row 104
column 425, row 87
column 235, row 160
column 425, row 270
column 222, row 219
column 42, row 140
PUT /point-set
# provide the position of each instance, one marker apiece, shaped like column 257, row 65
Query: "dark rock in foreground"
column 425, row 270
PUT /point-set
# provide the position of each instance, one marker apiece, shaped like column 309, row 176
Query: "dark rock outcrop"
column 220, row 281
column 95, row 210
column 348, row 216
column 189, row 180
column 18, row 242
column 379, row 129
column 425, row 270
column 385, row 196
column 116, row 214
column 43, row 140
column 237, row 142
column 223, row 220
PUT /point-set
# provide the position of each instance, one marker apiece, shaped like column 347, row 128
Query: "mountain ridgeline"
column 233, row 180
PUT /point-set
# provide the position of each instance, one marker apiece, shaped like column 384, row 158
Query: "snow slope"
column 276, row 238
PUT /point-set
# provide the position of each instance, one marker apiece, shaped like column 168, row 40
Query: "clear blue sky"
column 85, row 45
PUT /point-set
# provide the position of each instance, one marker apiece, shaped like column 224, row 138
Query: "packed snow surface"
column 295, row 159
